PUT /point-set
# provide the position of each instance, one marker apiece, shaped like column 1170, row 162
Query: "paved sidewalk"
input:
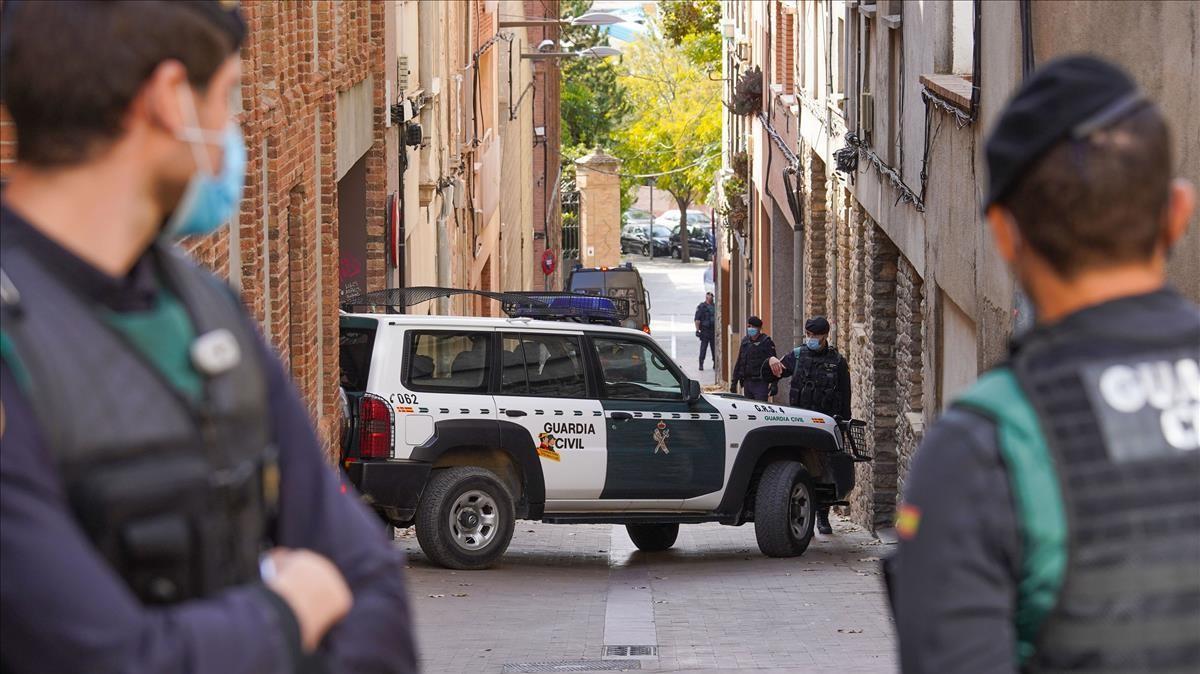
column 711, row 603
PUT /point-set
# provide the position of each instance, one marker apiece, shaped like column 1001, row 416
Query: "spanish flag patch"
column 908, row 518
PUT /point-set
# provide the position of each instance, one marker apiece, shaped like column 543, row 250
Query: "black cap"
column 817, row 325
column 755, row 321
column 1070, row 96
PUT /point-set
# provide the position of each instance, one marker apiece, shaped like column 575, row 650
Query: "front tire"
column 784, row 510
column 645, row 251
column 465, row 518
column 653, row 537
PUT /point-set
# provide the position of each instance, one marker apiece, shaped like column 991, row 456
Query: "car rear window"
column 355, row 346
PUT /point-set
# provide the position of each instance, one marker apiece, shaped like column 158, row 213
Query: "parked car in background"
column 701, row 242
column 637, row 238
column 636, row 216
column 670, row 219
column 633, row 237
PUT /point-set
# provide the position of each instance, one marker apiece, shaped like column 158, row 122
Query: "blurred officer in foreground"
column 1052, row 518
column 820, row 382
column 751, row 366
column 164, row 505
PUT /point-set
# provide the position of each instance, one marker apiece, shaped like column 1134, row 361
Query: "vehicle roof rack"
column 543, row 305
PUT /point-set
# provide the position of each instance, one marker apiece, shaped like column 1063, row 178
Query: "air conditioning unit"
column 866, row 115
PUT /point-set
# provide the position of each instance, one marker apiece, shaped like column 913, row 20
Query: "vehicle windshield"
column 662, row 231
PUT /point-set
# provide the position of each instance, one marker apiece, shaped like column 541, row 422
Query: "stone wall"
column 873, row 377
column 910, row 420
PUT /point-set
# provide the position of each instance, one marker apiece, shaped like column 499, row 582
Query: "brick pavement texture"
column 719, row 605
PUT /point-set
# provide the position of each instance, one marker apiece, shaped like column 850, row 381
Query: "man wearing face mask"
column 820, row 382
column 165, row 506
column 1051, row 520
column 751, row 367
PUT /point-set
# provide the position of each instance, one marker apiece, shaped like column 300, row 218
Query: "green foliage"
column 675, row 126
column 694, row 26
column 592, row 100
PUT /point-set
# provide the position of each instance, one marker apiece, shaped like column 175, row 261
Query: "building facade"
column 390, row 144
column 862, row 160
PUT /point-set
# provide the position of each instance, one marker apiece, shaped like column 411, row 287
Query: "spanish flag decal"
column 908, row 518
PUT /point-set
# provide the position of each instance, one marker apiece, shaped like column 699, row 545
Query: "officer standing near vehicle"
column 1051, row 521
column 751, row 366
column 164, row 502
column 820, row 382
column 706, row 328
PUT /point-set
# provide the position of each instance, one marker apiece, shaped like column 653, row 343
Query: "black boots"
column 702, row 366
column 823, row 522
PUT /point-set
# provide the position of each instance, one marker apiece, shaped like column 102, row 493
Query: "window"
column 549, row 366
column 354, row 347
column 448, row 362
column 633, row 370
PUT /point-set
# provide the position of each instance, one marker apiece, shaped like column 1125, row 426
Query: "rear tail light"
column 374, row 428
column 646, row 329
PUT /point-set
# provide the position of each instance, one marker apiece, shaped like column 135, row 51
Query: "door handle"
column 621, row 416
column 515, row 413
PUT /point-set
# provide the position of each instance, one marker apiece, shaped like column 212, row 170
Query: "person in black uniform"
column 751, row 367
column 706, row 328
column 1051, row 521
column 165, row 504
column 820, row 382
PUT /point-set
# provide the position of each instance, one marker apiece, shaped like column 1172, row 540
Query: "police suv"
column 460, row 426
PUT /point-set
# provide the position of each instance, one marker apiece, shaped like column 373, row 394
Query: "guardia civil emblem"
column 661, row 433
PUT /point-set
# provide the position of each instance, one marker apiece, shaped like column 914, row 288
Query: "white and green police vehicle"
column 461, row 426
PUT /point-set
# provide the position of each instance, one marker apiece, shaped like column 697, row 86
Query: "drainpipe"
column 443, row 244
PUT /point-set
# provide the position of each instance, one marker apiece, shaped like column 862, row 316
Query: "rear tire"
column 465, row 518
column 645, row 251
column 653, row 537
column 784, row 510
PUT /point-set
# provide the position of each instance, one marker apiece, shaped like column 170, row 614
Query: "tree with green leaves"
column 592, row 99
column 694, row 26
column 674, row 130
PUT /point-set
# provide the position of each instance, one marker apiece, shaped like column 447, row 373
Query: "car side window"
column 543, row 365
column 634, row 371
column 448, row 362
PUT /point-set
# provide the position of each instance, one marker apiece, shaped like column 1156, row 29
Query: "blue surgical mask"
column 813, row 343
column 752, row 332
column 211, row 198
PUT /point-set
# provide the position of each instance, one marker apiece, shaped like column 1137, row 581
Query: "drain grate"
column 630, row 651
column 570, row 666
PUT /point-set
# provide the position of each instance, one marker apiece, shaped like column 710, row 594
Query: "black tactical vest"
column 175, row 494
column 756, row 353
column 815, row 382
column 1121, row 419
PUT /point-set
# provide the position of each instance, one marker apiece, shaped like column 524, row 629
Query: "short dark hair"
column 1098, row 200
column 71, row 68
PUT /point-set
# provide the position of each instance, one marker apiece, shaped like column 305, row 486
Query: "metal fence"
column 570, row 228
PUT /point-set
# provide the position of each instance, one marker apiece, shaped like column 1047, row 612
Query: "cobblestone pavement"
column 711, row 603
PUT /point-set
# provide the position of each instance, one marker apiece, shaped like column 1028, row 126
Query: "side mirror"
column 693, row 390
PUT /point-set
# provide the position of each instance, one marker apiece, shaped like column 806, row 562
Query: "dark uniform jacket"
column 752, row 359
column 820, row 380
column 62, row 609
column 707, row 319
column 954, row 577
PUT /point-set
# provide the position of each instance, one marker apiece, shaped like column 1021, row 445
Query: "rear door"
column 442, row 384
column 544, row 388
column 356, row 346
column 661, row 448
